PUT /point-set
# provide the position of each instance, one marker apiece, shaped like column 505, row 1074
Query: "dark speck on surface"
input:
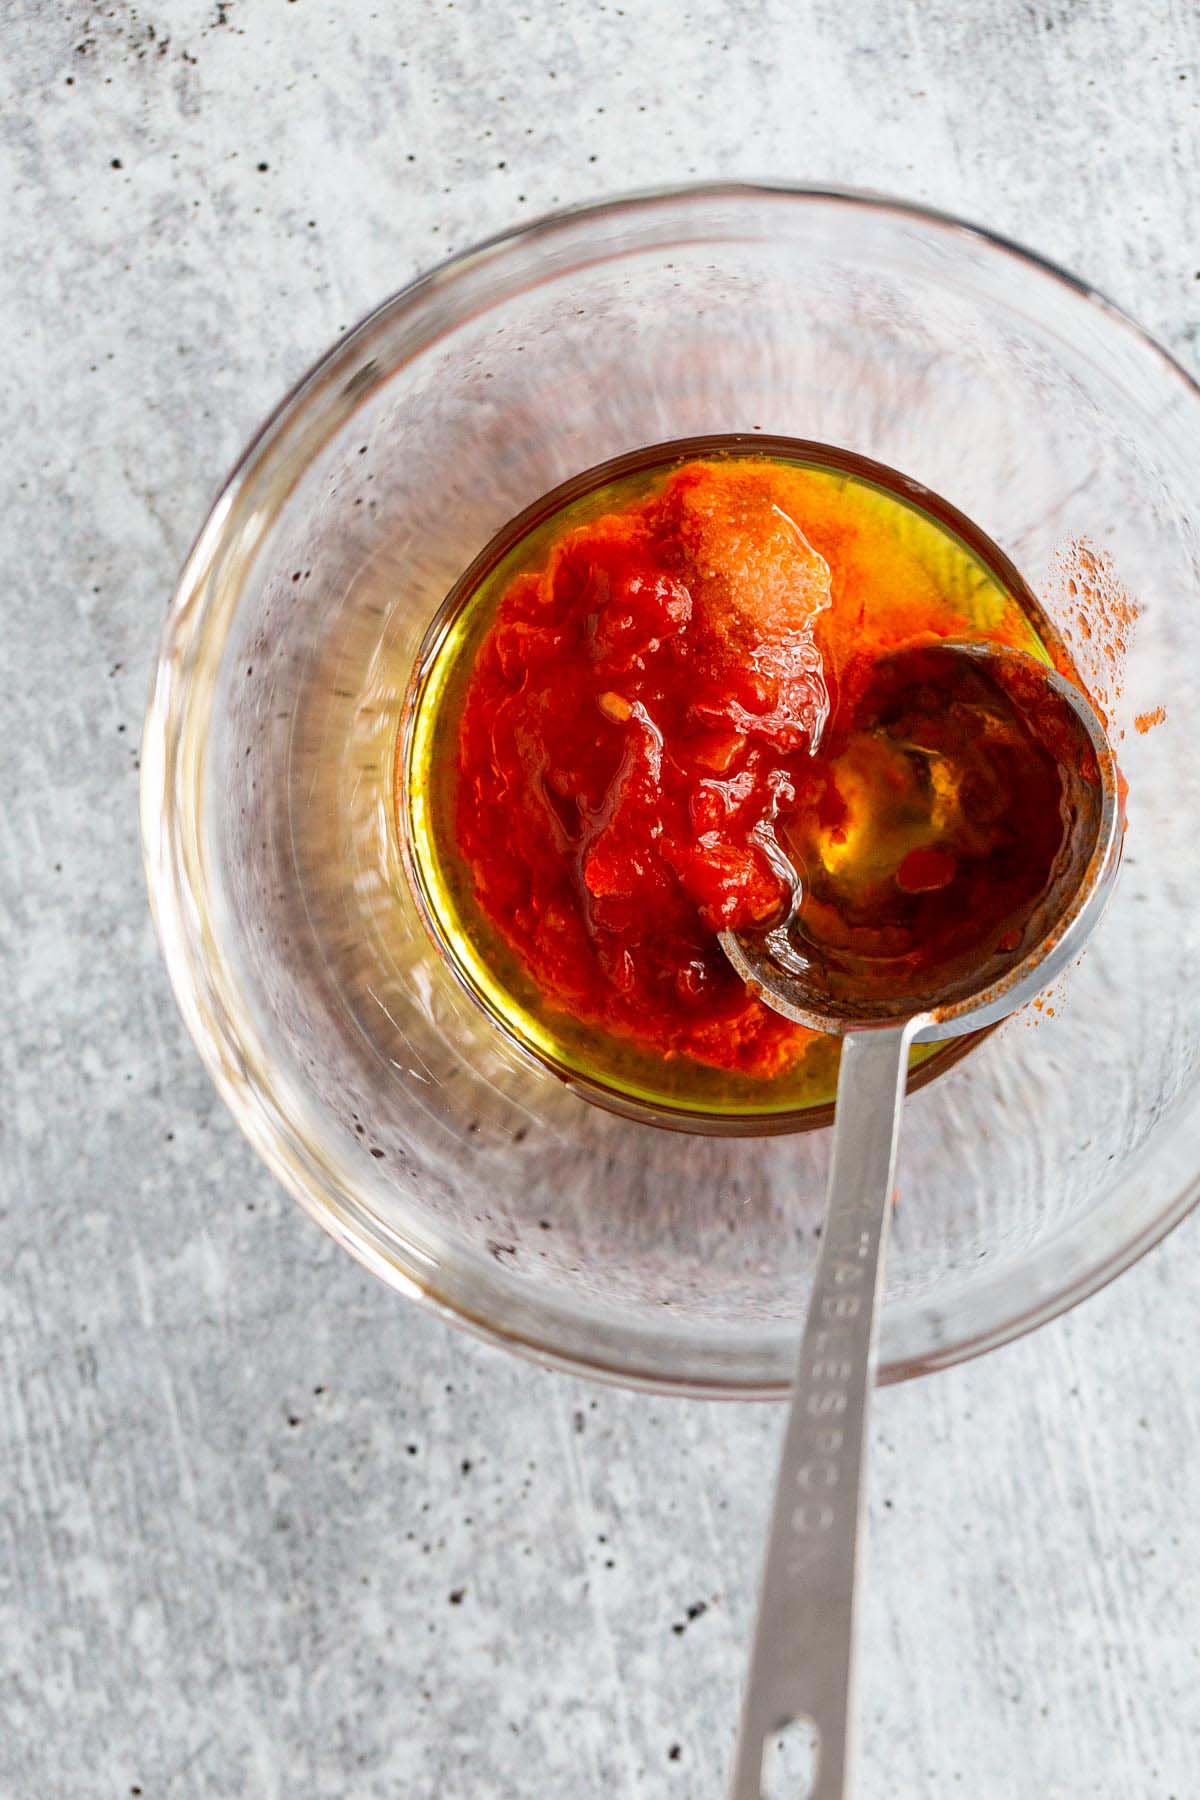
column 457, row 1597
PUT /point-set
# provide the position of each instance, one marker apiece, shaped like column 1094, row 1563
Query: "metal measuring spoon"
column 802, row 1666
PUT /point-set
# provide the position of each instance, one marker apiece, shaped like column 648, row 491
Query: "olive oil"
column 977, row 583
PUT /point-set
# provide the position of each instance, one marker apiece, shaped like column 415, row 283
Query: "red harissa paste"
column 641, row 714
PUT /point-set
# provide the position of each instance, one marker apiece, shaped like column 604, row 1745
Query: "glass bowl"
column 462, row 1171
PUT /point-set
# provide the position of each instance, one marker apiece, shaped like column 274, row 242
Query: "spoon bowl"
column 970, row 993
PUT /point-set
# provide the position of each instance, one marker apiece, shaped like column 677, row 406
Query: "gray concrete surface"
column 264, row 1529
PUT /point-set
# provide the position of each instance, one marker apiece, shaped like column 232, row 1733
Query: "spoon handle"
column 802, row 1664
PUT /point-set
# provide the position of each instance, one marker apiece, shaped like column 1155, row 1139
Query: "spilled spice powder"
column 1096, row 614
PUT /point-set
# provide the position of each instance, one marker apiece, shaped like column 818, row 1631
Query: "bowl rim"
column 405, row 1268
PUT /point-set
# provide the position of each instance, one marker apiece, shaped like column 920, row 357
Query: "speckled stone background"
column 265, row 1530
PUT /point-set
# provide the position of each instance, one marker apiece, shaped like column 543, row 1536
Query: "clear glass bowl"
column 457, row 1168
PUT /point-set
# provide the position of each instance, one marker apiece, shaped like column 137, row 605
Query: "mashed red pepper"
column 641, row 715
